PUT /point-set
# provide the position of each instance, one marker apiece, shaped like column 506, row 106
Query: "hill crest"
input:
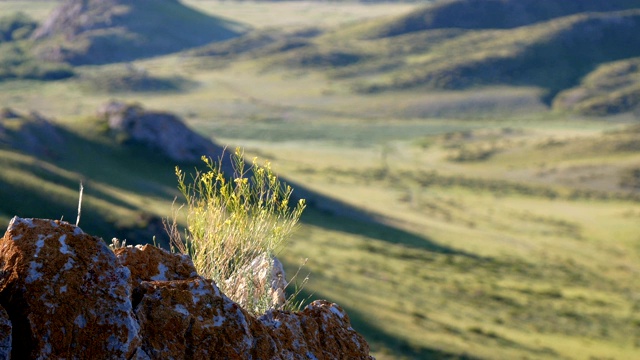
column 104, row 31
column 493, row 14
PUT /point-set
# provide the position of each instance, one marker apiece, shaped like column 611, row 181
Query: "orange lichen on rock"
column 67, row 295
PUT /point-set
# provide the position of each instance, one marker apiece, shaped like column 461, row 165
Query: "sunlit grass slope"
column 126, row 190
column 480, row 261
column 548, row 54
column 610, row 89
column 475, row 223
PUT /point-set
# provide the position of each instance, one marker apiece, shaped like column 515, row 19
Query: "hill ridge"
column 493, row 14
column 97, row 32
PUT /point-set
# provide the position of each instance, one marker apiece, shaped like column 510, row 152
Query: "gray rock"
column 160, row 131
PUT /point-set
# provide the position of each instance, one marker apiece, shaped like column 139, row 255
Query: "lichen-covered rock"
column 69, row 296
column 66, row 293
column 192, row 319
column 150, row 263
column 5, row 335
column 321, row 331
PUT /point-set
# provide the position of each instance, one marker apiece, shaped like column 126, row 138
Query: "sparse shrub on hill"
column 14, row 27
column 16, row 57
column 611, row 88
column 631, row 178
column 328, row 59
column 17, row 62
column 234, row 224
column 132, row 79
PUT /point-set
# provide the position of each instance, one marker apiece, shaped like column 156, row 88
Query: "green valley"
column 473, row 191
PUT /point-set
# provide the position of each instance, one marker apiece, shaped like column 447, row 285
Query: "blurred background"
column 472, row 167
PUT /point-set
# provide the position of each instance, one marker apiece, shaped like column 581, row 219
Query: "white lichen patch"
column 39, row 244
column 123, row 317
column 46, row 351
column 77, row 231
column 198, row 291
column 181, row 309
column 63, row 289
column 218, row 320
column 68, row 265
column 15, row 221
column 268, row 320
column 162, row 270
column 80, row 321
column 34, row 274
column 336, row 311
column 63, row 246
column 50, row 305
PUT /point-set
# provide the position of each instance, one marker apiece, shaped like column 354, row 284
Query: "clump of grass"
column 630, row 178
column 234, row 226
column 17, row 26
column 133, row 79
column 17, row 62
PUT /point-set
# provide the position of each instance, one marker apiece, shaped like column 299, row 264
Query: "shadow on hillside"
column 382, row 341
column 353, row 221
column 111, row 169
column 333, row 214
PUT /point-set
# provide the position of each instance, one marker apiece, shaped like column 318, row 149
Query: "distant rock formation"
column 105, row 31
column 160, row 131
column 67, row 295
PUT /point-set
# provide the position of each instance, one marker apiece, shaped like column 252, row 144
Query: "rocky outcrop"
column 326, row 332
column 67, row 295
column 160, row 131
column 192, row 319
column 149, row 263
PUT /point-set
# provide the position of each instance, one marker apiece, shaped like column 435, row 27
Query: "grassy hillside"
column 99, row 32
column 612, row 88
column 492, row 14
column 16, row 57
column 471, row 223
column 126, row 189
column 552, row 55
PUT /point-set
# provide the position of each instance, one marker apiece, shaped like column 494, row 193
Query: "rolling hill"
column 492, row 14
column 453, row 219
column 551, row 55
column 98, row 32
column 611, row 88
column 43, row 164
